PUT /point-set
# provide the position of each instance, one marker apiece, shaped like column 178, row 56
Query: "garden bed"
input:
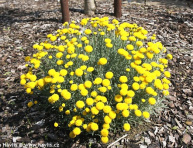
column 23, row 23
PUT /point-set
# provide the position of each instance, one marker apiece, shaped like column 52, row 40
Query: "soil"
column 23, row 23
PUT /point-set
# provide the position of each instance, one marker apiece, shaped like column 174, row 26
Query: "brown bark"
column 117, row 8
column 65, row 11
column 89, row 7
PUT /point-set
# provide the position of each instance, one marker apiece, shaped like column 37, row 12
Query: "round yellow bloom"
column 130, row 47
column 152, row 101
column 167, row 74
column 104, row 140
column 109, row 75
column 72, row 135
column 112, row 114
column 107, row 119
column 88, row 84
column 30, row 104
column 94, row 126
column 55, row 124
column 125, row 113
column 84, row 92
column 76, row 131
column 139, row 43
column 123, row 79
column 53, row 38
column 135, row 86
column 80, row 104
column 123, row 92
column 126, row 126
column 128, row 100
column 118, row 98
column 88, row 48
column 97, row 81
column 94, row 110
column 102, row 89
column 106, row 82
column 87, row 31
column 23, row 82
column 130, row 93
column 106, row 109
column 74, row 87
column 78, row 122
column 104, row 132
column 90, row 69
column 169, row 56
column 146, row 114
column 79, row 72
column 102, row 61
column 100, row 105
column 106, row 126
column 138, row 113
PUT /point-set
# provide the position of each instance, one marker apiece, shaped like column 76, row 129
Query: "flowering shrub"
column 99, row 76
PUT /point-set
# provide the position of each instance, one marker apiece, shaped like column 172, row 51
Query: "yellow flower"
column 53, row 38
column 88, row 84
column 128, row 100
column 74, row 87
column 138, row 113
column 130, row 93
column 146, row 114
column 67, row 112
column 139, row 43
column 106, row 109
column 104, row 132
column 23, row 82
column 97, row 81
column 102, row 89
column 135, row 86
column 79, row 72
column 104, row 140
column 100, row 105
column 88, row 48
column 102, row 61
column 87, row 31
column 78, row 122
column 123, row 92
column 72, row 135
column 107, row 119
column 94, row 126
column 93, row 94
column 30, row 104
column 106, row 126
column 106, row 82
column 118, row 98
column 126, row 126
column 125, row 113
column 94, row 110
column 169, row 56
column 90, row 69
column 80, row 104
column 84, row 92
column 76, row 131
column 55, row 124
column 152, row 101
column 123, row 79
column 112, row 115
column 119, row 106
column 109, row 75
column 167, row 74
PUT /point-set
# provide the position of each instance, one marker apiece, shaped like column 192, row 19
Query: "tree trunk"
column 117, row 8
column 65, row 11
column 89, row 7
